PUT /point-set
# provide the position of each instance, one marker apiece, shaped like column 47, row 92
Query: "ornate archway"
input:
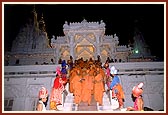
column 85, row 46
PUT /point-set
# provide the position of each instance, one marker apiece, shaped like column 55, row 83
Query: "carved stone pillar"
column 97, row 45
column 57, row 55
column 72, row 46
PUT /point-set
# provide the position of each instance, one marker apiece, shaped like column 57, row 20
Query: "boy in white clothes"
column 43, row 94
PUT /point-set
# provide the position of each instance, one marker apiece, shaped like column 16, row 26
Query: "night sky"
column 121, row 19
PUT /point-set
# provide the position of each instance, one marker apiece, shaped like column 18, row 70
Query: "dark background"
column 121, row 19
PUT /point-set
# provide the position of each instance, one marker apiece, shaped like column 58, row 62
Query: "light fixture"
column 136, row 51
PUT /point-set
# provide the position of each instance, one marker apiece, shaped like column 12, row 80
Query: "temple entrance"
column 84, row 51
column 84, row 47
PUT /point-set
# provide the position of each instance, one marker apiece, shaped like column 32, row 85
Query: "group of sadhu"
column 87, row 78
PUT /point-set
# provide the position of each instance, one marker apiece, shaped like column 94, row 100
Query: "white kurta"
column 44, row 108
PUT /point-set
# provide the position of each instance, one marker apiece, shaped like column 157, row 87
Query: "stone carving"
column 53, row 39
column 102, row 24
column 65, row 26
column 115, row 37
column 33, row 88
column 13, row 91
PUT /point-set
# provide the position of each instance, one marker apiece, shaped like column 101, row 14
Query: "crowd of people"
column 87, row 78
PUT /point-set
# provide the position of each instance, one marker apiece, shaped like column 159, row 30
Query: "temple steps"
column 69, row 104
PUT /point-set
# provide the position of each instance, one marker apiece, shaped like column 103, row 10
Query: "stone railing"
column 30, row 71
column 139, row 68
column 129, row 68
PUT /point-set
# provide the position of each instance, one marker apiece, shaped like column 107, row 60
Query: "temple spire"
column 140, row 48
column 42, row 23
column 35, row 27
column 35, row 22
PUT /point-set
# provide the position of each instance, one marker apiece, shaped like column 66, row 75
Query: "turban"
column 137, row 90
column 43, row 93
